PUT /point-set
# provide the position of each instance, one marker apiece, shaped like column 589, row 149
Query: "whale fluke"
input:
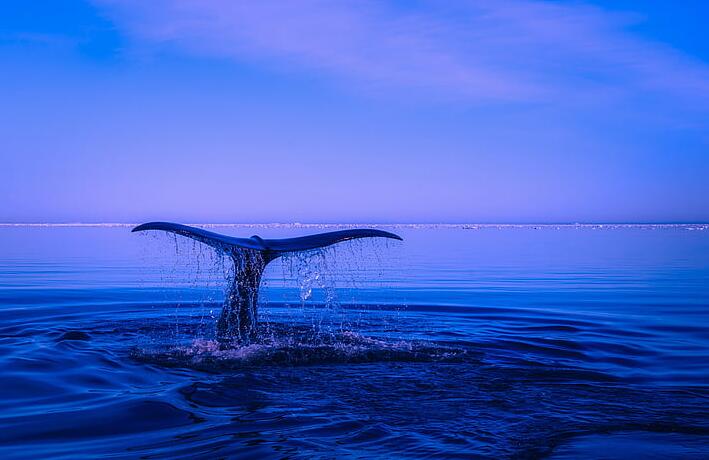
column 302, row 243
column 239, row 319
column 203, row 236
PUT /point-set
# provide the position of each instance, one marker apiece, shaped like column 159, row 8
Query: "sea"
column 461, row 341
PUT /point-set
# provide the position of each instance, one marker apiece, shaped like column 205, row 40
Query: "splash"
column 301, row 346
column 313, row 324
column 310, row 262
column 238, row 320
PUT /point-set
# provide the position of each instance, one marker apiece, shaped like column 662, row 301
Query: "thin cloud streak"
column 478, row 51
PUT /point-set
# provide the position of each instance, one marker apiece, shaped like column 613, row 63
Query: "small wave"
column 74, row 336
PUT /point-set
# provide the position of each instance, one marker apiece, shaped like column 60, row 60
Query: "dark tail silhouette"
column 239, row 318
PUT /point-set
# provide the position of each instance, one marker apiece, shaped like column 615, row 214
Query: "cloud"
column 479, row 51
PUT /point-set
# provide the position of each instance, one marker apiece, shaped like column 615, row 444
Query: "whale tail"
column 238, row 320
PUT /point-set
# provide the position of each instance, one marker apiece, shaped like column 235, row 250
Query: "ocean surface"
column 459, row 342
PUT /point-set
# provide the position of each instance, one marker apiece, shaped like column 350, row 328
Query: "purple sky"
column 354, row 111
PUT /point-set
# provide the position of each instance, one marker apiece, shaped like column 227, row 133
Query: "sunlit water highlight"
column 483, row 341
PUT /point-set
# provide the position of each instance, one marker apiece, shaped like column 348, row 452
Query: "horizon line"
column 375, row 224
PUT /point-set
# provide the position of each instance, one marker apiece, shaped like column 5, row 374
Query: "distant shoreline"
column 470, row 226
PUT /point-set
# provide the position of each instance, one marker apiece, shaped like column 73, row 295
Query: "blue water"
column 476, row 342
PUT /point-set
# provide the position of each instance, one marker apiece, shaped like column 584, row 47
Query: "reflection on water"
column 490, row 342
